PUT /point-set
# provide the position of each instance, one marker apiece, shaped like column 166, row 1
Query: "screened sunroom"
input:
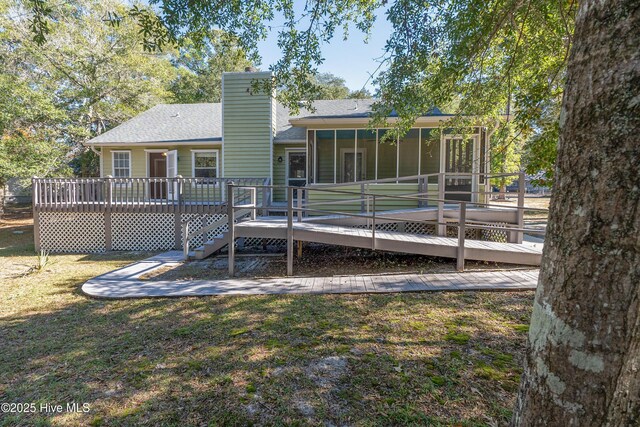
column 336, row 156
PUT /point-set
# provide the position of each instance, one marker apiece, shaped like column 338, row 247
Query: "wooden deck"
column 525, row 253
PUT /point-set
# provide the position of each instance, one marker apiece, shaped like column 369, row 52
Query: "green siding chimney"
column 248, row 124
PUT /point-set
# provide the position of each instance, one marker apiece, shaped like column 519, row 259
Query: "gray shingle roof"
column 203, row 122
column 169, row 123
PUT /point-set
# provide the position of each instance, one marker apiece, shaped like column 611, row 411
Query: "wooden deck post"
column 373, row 224
column 521, row 188
column 254, row 203
column 108, row 239
column 290, row 231
column 231, row 226
column 177, row 217
column 461, row 232
column 441, row 227
column 266, row 196
column 35, row 200
column 299, row 194
column 362, row 198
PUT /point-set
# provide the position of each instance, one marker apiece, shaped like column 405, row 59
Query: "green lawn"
column 406, row 359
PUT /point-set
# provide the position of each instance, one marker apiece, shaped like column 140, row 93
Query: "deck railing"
column 300, row 208
column 440, row 195
column 188, row 195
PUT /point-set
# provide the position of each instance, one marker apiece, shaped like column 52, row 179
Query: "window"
column 121, row 164
column 205, row 163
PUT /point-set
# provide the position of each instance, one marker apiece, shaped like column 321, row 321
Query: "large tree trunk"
column 583, row 361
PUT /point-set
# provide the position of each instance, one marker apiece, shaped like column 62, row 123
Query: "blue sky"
column 352, row 59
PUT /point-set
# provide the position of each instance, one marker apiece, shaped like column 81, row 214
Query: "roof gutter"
column 323, row 121
column 152, row 144
column 433, row 120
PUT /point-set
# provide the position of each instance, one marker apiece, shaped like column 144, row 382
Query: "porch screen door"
column 458, row 158
column 352, row 163
column 172, row 172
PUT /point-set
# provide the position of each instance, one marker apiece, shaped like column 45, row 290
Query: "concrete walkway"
column 125, row 283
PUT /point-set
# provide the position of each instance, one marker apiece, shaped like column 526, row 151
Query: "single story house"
column 251, row 135
column 164, row 173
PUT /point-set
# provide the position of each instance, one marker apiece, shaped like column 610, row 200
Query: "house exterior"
column 251, row 135
column 165, row 174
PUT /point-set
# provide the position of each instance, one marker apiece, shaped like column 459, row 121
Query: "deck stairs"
column 211, row 246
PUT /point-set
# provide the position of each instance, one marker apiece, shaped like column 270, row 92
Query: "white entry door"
column 172, row 172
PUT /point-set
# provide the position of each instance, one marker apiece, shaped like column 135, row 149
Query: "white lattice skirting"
column 72, row 232
column 87, row 231
column 142, row 231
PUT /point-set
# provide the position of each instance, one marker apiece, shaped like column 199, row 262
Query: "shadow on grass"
column 379, row 359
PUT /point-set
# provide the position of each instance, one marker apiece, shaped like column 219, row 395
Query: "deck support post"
column 521, row 188
column 362, row 203
column 35, row 201
column 177, row 217
column 461, row 233
column 441, row 227
column 231, row 227
column 265, row 201
column 254, row 203
column 299, row 194
column 289, row 231
column 373, row 224
column 108, row 240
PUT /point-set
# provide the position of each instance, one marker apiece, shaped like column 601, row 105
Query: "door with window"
column 459, row 156
column 157, row 169
column 296, row 172
column 352, row 166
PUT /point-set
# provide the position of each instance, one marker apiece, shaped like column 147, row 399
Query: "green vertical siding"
column 248, row 120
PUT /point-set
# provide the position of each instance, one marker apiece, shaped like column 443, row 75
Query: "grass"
column 403, row 359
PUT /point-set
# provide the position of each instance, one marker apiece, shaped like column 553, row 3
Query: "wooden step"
column 218, row 242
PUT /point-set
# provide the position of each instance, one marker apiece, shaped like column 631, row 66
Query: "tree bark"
column 583, row 362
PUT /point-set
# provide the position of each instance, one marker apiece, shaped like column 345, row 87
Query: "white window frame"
column 113, row 167
column 193, row 163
